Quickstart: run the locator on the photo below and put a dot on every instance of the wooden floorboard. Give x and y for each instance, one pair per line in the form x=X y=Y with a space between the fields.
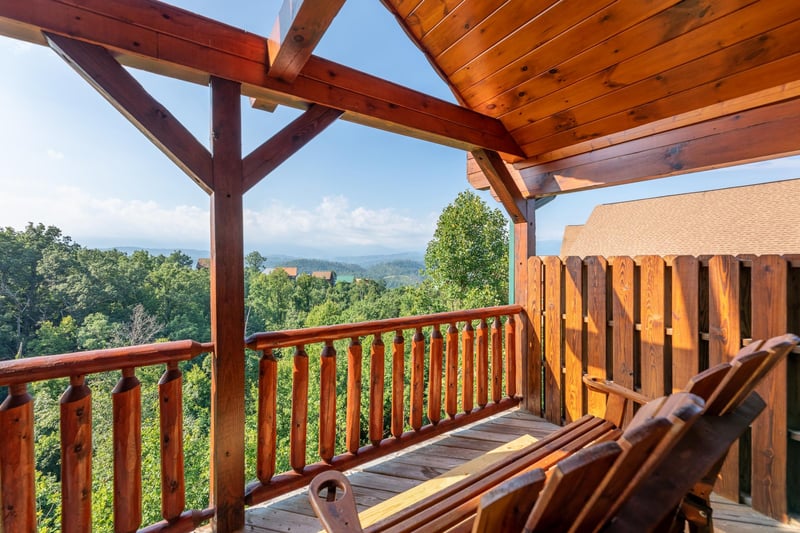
x=380 y=480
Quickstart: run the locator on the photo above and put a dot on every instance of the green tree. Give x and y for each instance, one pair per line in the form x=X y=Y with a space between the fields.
x=467 y=259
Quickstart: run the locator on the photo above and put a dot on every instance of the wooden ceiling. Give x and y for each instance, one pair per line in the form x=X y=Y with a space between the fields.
x=556 y=95
x=601 y=92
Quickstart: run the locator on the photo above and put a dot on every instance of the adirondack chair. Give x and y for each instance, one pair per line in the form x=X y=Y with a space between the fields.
x=586 y=452
x=725 y=389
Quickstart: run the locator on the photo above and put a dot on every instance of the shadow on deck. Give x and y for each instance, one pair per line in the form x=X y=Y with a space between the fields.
x=382 y=479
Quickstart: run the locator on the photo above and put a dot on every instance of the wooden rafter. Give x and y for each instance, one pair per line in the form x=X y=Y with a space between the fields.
x=272 y=153
x=298 y=29
x=762 y=133
x=122 y=90
x=501 y=181
x=167 y=40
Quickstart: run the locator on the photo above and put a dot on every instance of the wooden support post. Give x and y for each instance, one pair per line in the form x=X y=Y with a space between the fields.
x=527 y=377
x=227 y=309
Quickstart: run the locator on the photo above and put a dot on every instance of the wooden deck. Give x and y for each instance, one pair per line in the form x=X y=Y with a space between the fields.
x=380 y=480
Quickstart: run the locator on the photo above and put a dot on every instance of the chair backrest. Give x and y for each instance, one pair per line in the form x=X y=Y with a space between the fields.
x=644 y=446
x=571 y=483
x=725 y=386
x=507 y=506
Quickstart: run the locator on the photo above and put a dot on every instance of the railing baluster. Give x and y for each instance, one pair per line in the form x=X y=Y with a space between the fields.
x=497 y=360
x=17 y=466
x=511 y=357
x=398 y=382
x=451 y=372
x=127 y=407
x=483 y=363
x=297 y=440
x=327 y=403
x=417 y=378
x=76 y=456
x=353 y=422
x=173 y=490
x=267 y=411
x=376 y=374
x=468 y=368
x=435 y=376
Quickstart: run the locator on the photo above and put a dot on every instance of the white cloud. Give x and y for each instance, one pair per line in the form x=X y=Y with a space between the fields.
x=334 y=223
x=90 y=220
x=55 y=154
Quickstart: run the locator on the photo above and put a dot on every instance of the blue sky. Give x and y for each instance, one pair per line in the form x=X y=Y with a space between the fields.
x=72 y=161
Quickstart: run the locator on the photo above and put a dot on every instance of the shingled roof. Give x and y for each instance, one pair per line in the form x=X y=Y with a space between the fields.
x=754 y=219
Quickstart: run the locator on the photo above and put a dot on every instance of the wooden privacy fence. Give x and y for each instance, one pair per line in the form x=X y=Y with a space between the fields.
x=480 y=373
x=651 y=323
x=17 y=465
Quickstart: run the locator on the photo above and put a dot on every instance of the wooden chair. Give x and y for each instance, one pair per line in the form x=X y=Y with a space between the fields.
x=725 y=388
x=585 y=452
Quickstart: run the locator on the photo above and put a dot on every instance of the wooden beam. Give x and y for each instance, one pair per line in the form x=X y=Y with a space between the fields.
x=772 y=95
x=167 y=40
x=122 y=90
x=754 y=135
x=297 y=31
x=528 y=382
x=502 y=183
x=271 y=154
x=227 y=309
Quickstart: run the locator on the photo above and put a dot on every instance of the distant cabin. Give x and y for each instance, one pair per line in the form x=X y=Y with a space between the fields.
x=754 y=219
x=327 y=275
x=345 y=278
x=204 y=263
x=290 y=271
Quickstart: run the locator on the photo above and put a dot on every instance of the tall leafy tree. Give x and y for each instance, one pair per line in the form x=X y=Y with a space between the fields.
x=467 y=259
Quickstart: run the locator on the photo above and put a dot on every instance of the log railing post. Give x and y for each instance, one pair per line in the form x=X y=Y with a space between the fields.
x=17 y=466
x=127 y=407
x=327 y=403
x=451 y=372
x=417 y=379
x=511 y=357
x=376 y=375
x=468 y=368
x=173 y=490
x=435 y=376
x=353 y=415
x=297 y=438
x=497 y=360
x=76 y=457
x=398 y=383
x=267 y=410
x=483 y=363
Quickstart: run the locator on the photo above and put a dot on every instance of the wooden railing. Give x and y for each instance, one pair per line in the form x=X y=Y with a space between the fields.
x=17 y=466
x=651 y=323
x=483 y=374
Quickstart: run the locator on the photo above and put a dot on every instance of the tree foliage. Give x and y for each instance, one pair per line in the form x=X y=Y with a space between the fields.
x=467 y=259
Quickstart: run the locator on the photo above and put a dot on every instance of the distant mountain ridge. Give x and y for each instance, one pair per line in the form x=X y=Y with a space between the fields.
x=397 y=269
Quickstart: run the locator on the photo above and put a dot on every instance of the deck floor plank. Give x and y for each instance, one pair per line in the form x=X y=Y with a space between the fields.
x=380 y=480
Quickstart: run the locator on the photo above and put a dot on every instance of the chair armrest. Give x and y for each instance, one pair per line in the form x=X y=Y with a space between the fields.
x=609 y=387
x=332 y=499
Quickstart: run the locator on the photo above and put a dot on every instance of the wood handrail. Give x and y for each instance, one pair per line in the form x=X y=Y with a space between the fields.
x=426 y=365
x=46 y=367
x=293 y=337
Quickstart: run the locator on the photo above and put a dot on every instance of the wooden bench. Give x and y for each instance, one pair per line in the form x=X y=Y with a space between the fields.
x=631 y=481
